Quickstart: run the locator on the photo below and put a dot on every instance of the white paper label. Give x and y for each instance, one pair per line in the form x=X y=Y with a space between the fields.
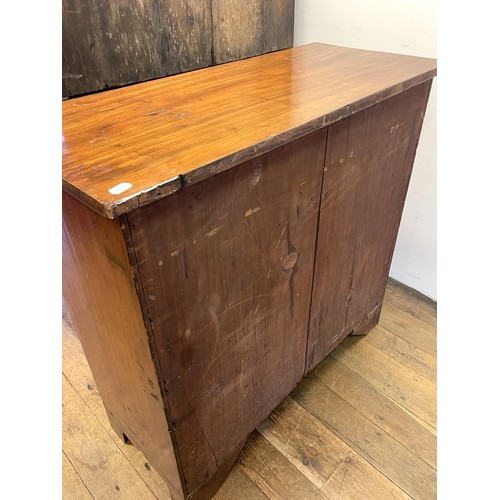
x=120 y=188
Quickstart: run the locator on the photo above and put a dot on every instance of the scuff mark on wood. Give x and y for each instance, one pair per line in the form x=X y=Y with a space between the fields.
x=213 y=232
x=395 y=127
x=281 y=235
x=251 y=211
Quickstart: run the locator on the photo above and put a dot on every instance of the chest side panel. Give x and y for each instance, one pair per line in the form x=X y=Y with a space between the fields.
x=99 y=291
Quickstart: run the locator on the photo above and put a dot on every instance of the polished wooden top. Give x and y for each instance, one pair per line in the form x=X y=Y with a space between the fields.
x=127 y=147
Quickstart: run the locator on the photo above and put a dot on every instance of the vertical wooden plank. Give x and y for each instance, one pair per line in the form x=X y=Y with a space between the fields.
x=333 y=253
x=394 y=130
x=239 y=29
x=245 y=29
x=367 y=170
x=186 y=35
x=99 y=292
x=106 y=44
x=226 y=266
x=279 y=19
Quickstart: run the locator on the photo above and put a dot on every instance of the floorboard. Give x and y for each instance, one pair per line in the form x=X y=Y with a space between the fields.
x=362 y=425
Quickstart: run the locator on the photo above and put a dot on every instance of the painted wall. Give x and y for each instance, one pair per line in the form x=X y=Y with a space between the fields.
x=403 y=27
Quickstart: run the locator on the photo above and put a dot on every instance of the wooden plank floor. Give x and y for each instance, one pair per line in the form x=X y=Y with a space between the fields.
x=362 y=425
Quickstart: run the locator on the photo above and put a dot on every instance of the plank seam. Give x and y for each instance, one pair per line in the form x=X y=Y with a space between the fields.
x=306 y=357
x=354 y=446
x=375 y=422
x=425 y=326
x=414 y=415
x=420 y=352
x=244 y=467
x=77 y=473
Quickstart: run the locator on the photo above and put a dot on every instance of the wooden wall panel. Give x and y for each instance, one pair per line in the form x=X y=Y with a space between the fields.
x=186 y=35
x=105 y=44
x=367 y=171
x=110 y=44
x=226 y=265
x=249 y=40
x=264 y=26
x=278 y=17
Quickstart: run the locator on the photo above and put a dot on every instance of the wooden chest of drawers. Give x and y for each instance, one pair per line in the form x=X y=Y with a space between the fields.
x=224 y=230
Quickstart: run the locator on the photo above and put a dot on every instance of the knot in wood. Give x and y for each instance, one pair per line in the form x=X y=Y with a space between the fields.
x=290 y=260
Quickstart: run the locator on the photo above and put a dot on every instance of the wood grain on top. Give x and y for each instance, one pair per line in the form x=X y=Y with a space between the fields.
x=153 y=138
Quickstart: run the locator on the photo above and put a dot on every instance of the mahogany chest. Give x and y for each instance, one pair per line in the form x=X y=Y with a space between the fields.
x=224 y=230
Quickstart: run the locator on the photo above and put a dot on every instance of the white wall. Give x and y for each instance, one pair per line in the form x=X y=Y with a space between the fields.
x=403 y=27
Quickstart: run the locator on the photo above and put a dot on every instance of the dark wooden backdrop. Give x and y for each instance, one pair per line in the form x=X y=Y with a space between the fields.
x=109 y=43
